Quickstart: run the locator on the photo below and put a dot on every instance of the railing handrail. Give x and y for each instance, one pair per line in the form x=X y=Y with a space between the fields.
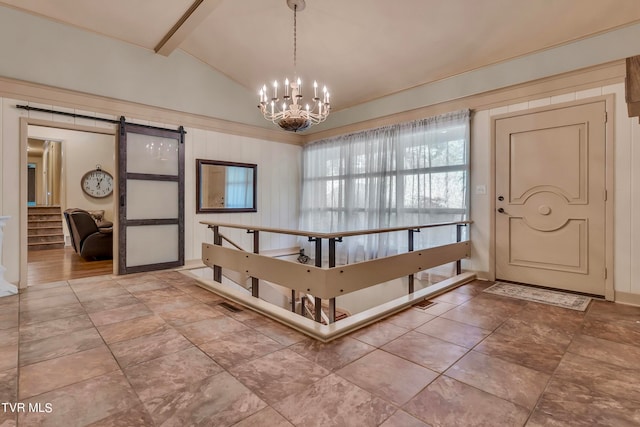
x=334 y=235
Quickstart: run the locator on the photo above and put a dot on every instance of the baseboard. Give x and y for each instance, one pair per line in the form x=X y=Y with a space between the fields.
x=627 y=298
x=326 y=333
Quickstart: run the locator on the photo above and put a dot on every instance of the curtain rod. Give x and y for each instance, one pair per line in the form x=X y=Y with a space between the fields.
x=102 y=119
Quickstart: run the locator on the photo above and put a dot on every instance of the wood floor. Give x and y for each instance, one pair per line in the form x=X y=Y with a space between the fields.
x=53 y=265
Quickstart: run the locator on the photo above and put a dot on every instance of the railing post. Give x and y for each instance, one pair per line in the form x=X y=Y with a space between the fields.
x=332 y=310
x=318 y=257
x=318 y=306
x=332 y=263
x=459 y=239
x=255 y=283
x=410 y=248
x=293 y=300
x=217 y=240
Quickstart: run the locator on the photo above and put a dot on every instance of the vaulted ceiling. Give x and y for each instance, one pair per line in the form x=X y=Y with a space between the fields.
x=361 y=49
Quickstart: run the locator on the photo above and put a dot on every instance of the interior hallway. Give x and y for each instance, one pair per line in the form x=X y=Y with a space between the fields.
x=155 y=349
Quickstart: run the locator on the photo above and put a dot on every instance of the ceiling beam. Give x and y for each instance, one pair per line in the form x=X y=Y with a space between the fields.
x=193 y=17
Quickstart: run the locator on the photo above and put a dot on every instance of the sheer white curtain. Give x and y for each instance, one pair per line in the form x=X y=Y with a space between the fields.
x=408 y=174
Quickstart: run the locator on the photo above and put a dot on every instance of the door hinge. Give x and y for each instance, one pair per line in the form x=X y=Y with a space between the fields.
x=606 y=195
x=606 y=117
x=605 y=273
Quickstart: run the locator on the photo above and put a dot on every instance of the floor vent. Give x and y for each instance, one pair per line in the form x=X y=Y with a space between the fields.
x=424 y=304
x=230 y=307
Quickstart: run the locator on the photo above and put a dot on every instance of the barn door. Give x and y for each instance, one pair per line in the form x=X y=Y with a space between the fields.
x=550 y=191
x=151 y=198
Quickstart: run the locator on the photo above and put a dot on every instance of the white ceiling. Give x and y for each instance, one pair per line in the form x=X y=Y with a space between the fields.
x=361 y=49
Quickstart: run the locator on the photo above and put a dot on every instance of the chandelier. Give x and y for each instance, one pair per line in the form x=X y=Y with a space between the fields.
x=290 y=113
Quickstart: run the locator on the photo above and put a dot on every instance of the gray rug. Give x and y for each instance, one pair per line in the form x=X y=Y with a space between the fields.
x=544 y=296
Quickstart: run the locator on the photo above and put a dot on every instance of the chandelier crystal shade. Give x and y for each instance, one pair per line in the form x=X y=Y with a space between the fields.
x=294 y=112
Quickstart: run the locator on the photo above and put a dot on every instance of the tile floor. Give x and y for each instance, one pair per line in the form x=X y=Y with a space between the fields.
x=154 y=349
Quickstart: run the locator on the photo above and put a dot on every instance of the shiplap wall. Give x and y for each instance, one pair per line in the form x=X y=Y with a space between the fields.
x=626 y=184
x=278 y=180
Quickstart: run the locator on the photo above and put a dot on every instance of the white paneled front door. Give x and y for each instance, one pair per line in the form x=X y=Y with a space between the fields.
x=550 y=190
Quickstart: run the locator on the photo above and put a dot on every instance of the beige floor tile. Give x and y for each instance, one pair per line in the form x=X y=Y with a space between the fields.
x=51 y=313
x=334 y=401
x=332 y=355
x=572 y=404
x=9 y=316
x=57 y=346
x=52 y=328
x=9 y=385
x=379 y=333
x=278 y=375
x=479 y=315
x=36 y=293
x=447 y=402
x=219 y=400
x=147 y=347
x=621 y=331
x=426 y=351
x=136 y=416
x=533 y=351
x=600 y=377
x=623 y=355
x=38 y=304
x=111 y=290
x=158 y=377
x=438 y=308
x=119 y=314
x=51 y=374
x=387 y=376
x=107 y=303
x=9 y=336
x=132 y=328
x=192 y=313
x=509 y=381
x=8 y=356
x=264 y=417
x=233 y=349
x=211 y=329
x=280 y=333
x=82 y=403
x=605 y=310
x=410 y=318
x=158 y=296
x=402 y=419
x=454 y=332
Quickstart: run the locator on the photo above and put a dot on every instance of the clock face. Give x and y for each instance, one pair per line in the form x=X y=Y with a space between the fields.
x=97 y=183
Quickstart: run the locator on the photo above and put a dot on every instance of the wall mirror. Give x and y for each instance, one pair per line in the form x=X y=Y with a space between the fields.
x=225 y=186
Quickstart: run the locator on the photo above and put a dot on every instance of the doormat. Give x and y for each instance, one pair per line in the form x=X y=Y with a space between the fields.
x=544 y=296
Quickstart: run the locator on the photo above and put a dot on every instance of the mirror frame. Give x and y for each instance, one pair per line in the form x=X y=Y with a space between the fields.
x=203 y=162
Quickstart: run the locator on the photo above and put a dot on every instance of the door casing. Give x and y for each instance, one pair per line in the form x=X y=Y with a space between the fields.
x=25 y=122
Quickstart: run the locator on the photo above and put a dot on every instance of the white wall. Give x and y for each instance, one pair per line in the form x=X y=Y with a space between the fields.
x=626 y=184
x=278 y=181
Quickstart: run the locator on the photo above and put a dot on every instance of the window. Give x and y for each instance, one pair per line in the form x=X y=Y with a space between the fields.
x=409 y=174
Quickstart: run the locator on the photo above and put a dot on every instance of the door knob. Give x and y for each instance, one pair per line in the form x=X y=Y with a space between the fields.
x=500 y=210
x=500 y=198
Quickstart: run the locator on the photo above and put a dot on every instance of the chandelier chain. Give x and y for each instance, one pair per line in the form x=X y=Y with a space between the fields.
x=295 y=38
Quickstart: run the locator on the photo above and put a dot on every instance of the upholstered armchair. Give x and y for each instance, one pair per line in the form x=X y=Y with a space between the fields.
x=89 y=241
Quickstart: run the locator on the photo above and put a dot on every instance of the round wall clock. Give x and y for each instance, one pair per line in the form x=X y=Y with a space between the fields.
x=97 y=183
